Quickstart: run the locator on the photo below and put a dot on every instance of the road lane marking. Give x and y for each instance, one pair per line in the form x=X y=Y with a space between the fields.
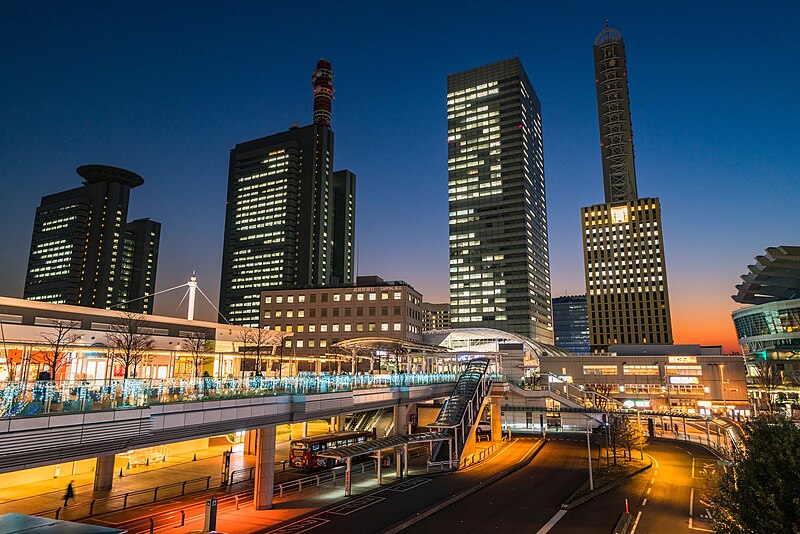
x=654 y=461
x=644 y=502
x=636 y=523
x=692 y=467
x=648 y=490
x=691 y=507
x=553 y=520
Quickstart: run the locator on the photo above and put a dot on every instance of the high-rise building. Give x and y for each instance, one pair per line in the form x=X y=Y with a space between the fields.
x=79 y=249
x=499 y=258
x=571 y=323
x=626 y=276
x=290 y=220
x=435 y=316
x=137 y=273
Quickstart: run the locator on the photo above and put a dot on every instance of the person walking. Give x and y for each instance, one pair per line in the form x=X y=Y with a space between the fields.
x=69 y=494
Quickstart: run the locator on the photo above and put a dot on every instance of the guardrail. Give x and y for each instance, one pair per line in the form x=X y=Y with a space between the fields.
x=129 y=499
x=25 y=399
x=479 y=456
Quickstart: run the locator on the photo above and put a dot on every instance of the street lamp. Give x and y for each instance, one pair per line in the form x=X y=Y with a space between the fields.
x=722 y=377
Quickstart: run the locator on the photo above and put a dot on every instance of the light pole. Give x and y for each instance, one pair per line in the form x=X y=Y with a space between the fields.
x=589 y=450
x=722 y=377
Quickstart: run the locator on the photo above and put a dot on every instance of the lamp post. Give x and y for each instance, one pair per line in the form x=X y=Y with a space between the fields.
x=589 y=450
x=722 y=377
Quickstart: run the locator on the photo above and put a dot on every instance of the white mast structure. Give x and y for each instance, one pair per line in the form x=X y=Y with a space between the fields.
x=192 y=288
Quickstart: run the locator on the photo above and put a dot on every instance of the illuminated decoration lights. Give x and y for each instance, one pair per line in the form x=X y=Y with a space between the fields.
x=20 y=399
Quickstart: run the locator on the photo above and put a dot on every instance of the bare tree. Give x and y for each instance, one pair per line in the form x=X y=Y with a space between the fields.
x=630 y=435
x=198 y=348
x=769 y=378
x=129 y=343
x=56 y=343
x=14 y=361
x=601 y=399
x=255 y=344
x=277 y=340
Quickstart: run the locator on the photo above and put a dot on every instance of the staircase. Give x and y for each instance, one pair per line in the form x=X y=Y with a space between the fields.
x=461 y=410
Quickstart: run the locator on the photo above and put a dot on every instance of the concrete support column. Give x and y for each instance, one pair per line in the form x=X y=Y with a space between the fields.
x=304 y=432
x=318 y=366
x=496 y=419
x=250 y=441
x=401 y=419
x=104 y=473
x=265 y=468
x=398 y=460
x=341 y=423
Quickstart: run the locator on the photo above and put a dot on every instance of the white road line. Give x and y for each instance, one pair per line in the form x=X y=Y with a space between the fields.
x=692 y=467
x=635 y=523
x=648 y=490
x=654 y=461
x=553 y=520
x=691 y=507
x=644 y=502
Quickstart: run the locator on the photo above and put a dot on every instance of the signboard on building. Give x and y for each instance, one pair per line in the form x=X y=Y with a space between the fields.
x=682 y=359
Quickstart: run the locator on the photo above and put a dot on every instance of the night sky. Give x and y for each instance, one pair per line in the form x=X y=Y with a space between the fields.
x=167 y=89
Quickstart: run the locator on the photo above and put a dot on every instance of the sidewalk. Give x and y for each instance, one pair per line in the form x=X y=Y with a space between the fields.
x=48 y=494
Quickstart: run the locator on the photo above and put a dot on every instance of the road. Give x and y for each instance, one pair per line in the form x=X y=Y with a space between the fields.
x=520 y=502
x=660 y=499
x=376 y=510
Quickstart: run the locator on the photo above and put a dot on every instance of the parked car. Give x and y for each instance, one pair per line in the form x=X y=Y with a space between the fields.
x=482 y=427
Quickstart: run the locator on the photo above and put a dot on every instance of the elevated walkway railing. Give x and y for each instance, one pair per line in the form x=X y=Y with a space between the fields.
x=25 y=399
x=461 y=410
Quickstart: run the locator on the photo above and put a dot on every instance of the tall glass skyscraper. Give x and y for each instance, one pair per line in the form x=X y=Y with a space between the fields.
x=499 y=258
x=571 y=323
x=623 y=245
x=290 y=220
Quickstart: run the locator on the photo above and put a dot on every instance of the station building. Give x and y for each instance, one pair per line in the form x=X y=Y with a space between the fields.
x=25 y=324
x=684 y=378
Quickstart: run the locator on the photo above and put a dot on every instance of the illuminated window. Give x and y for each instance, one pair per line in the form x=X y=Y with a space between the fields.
x=619 y=214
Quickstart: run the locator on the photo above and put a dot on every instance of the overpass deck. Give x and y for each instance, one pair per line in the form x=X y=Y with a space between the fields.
x=28 y=399
x=130 y=417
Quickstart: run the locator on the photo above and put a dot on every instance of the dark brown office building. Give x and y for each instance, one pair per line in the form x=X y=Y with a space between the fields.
x=80 y=246
x=290 y=220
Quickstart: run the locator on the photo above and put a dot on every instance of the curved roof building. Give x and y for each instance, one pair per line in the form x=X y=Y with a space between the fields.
x=771 y=327
x=774 y=277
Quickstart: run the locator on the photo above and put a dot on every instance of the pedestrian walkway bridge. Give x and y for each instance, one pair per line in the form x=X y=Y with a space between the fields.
x=44 y=423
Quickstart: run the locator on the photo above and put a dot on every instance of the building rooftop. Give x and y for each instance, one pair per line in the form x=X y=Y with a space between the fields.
x=774 y=277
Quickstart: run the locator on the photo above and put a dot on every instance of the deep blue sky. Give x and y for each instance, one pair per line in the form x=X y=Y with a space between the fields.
x=166 y=89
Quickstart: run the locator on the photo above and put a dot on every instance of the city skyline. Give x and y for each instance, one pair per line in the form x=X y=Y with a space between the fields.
x=702 y=174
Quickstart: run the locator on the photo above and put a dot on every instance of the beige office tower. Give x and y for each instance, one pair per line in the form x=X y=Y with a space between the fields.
x=623 y=245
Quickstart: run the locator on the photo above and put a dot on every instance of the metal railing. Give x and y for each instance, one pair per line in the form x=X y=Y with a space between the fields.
x=24 y=399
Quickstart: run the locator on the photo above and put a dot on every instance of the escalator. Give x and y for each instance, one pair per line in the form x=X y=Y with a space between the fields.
x=461 y=411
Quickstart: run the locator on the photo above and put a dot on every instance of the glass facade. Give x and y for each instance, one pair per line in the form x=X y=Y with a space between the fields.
x=769 y=330
x=571 y=323
x=499 y=258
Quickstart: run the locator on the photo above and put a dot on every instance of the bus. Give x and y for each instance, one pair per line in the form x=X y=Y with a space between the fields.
x=303 y=452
